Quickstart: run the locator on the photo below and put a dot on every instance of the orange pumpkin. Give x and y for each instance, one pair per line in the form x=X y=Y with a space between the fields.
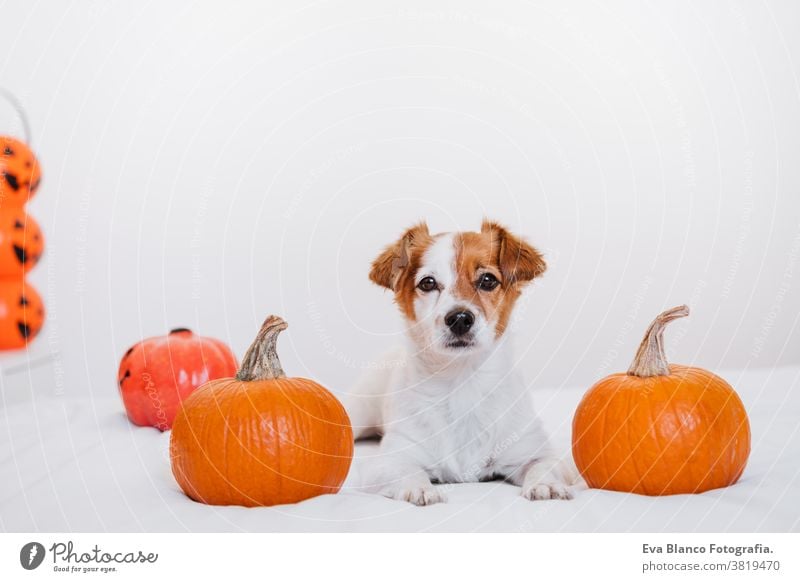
x=21 y=313
x=261 y=438
x=21 y=242
x=20 y=173
x=661 y=429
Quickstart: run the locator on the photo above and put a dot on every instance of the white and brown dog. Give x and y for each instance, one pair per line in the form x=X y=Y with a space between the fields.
x=449 y=405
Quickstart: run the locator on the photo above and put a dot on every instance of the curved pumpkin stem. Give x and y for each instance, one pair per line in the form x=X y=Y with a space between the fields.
x=261 y=360
x=650 y=358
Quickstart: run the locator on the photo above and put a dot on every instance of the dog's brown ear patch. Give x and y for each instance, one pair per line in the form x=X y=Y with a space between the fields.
x=518 y=261
x=396 y=258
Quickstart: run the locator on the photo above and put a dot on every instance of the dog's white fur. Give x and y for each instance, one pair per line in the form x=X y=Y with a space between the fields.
x=452 y=416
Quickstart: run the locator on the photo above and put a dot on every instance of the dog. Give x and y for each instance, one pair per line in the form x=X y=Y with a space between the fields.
x=449 y=405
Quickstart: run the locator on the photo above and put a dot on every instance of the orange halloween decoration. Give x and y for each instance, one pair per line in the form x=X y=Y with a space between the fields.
x=21 y=242
x=661 y=429
x=21 y=313
x=156 y=374
x=261 y=438
x=20 y=174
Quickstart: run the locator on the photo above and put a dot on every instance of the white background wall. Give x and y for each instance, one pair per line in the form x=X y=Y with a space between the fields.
x=208 y=164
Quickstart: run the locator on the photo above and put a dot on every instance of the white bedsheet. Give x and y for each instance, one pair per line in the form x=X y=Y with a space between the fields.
x=78 y=465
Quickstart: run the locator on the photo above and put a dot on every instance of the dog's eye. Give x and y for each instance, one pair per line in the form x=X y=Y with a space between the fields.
x=427 y=284
x=487 y=282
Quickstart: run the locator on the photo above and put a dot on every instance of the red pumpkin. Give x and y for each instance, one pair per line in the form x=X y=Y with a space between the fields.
x=261 y=438
x=21 y=242
x=21 y=313
x=156 y=374
x=20 y=174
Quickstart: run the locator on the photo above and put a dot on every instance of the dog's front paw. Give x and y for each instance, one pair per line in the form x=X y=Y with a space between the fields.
x=552 y=490
x=421 y=495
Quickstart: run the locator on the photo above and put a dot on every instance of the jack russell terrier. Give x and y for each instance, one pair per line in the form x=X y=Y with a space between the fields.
x=450 y=405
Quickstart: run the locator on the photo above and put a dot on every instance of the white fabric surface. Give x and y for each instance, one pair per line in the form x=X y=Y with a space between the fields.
x=78 y=465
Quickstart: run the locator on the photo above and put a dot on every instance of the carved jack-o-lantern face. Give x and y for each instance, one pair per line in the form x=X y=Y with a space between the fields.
x=19 y=172
x=21 y=314
x=21 y=242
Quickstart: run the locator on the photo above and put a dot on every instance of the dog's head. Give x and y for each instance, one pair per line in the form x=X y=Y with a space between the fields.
x=457 y=290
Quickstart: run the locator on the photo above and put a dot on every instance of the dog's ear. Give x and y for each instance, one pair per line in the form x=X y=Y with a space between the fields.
x=395 y=259
x=518 y=261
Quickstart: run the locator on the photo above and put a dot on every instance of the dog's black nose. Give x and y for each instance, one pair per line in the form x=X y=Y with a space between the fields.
x=459 y=322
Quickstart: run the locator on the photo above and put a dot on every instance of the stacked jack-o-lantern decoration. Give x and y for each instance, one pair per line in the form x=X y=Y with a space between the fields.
x=21 y=245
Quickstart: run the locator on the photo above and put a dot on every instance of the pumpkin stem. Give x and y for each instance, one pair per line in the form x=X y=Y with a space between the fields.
x=650 y=358
x=261 y=360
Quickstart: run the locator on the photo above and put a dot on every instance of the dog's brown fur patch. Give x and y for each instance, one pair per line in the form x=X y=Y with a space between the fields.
x=396 y=267
x=510 y=259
